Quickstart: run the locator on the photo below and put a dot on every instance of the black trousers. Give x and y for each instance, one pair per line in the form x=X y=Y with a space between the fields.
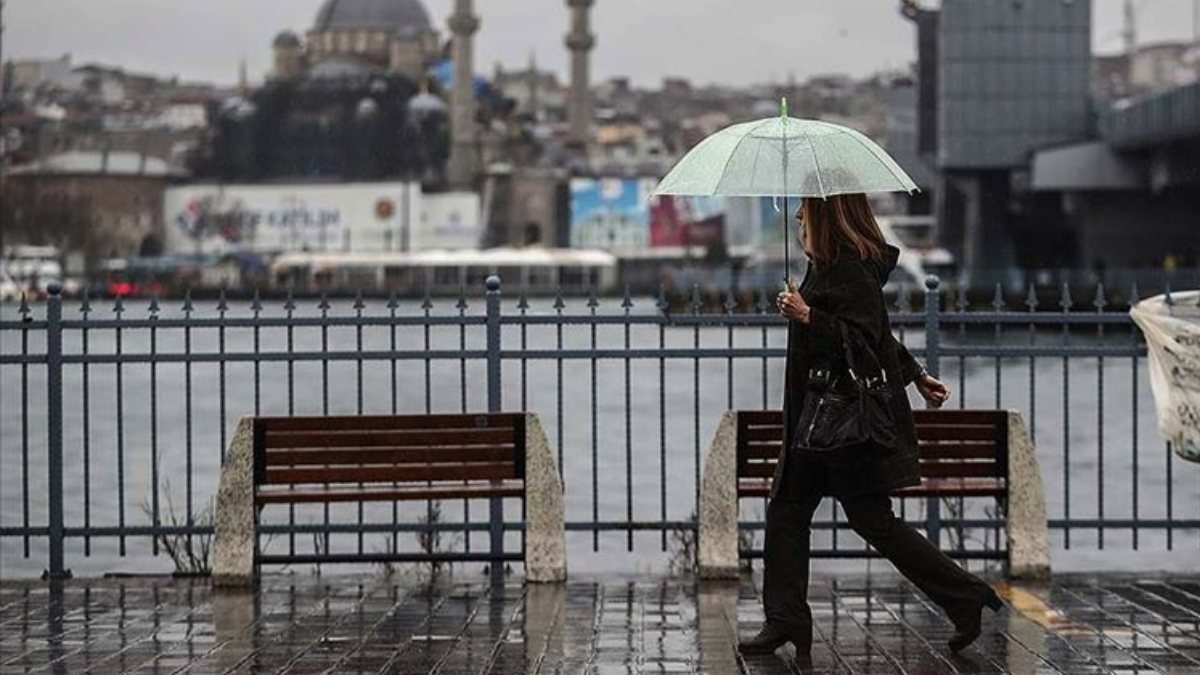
x=785 y=574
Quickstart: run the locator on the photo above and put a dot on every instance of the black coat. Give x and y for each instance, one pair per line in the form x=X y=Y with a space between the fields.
x=850 y=290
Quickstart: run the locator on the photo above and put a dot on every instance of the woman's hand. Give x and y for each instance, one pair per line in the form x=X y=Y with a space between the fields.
x=933 y=390
x=792 y=305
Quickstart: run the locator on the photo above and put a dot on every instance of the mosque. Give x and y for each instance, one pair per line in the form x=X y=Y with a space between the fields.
x=372 y=91
x=360 y=37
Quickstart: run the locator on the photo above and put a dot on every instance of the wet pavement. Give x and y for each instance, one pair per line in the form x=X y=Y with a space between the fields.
x=364 y=624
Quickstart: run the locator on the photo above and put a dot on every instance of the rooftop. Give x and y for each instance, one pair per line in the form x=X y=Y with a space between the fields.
x=107 y=163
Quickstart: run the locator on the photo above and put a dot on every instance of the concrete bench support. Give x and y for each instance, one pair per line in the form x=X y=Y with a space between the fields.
x=1028 y=547
x=718 y=536
x=235 y=539
x=545 y=519
x=1028 y=540
x=234 y=522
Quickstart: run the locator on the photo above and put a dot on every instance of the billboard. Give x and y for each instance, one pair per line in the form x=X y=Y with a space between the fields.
x=451 y=220
x=211 y=218
x=610 y=213
x=620 y=214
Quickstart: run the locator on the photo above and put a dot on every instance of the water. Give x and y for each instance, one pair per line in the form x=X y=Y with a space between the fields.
x=631 y=448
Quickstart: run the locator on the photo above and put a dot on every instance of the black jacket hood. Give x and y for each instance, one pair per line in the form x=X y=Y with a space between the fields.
x=882 y=267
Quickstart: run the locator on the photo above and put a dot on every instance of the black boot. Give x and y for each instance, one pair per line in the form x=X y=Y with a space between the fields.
x=771 y=638
x=968 y=620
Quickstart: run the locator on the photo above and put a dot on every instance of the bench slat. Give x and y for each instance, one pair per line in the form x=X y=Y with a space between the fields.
x=760 y=417
x=943 y=469
x=998 y=418
x=762 y=449
x=956 y=487
x=757 y=469
x=952 y=450
x=387 y=438
x=937 y=487
x=955 y=432
x=404 y=493
x=366 y=422
x=761 y=433
x=390 y=473
x=409 y=455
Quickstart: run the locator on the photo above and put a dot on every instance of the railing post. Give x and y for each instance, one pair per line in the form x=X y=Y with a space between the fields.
x=933 y=332
x=933 y=343
x=495 y=403
x=54 y=427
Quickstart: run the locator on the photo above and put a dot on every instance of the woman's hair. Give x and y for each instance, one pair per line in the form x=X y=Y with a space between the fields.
x=841 y=222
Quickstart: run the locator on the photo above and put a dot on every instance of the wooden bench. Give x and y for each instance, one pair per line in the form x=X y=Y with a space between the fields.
x=376 y=458
x=964 y=453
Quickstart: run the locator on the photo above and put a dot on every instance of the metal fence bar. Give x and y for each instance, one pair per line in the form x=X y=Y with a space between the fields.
x=54 y=441
x=495 y=403
x=933 y=364
x=1093 y=340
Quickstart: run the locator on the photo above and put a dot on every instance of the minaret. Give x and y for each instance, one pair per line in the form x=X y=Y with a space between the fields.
x=580 y=42
x=534 y=103
x=463 y=166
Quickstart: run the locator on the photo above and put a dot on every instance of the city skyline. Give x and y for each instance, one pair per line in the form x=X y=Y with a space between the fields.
x=206 y=41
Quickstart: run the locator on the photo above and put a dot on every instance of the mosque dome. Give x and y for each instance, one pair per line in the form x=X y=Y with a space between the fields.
x=405 y=18
x=287 y=39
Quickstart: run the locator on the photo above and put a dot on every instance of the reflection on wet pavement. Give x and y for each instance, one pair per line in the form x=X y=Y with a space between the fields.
x=353 y=624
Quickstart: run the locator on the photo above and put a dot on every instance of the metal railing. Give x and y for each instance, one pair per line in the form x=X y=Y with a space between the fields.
x=101 y=410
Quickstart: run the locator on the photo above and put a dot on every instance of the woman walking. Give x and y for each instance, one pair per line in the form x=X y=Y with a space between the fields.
x=841 y=294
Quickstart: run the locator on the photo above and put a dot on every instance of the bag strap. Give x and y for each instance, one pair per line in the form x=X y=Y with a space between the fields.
x=851 y=361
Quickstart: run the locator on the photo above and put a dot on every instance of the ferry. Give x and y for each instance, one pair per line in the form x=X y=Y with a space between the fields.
x=443 y=272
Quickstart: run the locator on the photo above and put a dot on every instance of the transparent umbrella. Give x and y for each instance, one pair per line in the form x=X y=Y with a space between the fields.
x=785 y=157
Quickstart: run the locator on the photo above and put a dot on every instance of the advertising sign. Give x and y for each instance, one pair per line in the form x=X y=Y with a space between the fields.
x=610 y=213
x=207 y=218
x=450 y=220
x=620 y=214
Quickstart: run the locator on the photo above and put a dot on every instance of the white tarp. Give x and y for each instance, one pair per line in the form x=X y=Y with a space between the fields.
x=1173 y=342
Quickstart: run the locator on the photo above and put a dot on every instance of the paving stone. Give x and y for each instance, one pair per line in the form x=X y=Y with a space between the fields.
x=352 y=624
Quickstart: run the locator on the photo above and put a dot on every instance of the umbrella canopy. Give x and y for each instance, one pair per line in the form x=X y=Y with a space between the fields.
x=785 y=157
x=782 y=157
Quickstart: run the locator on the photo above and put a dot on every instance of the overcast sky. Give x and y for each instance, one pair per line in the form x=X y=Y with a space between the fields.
x=722 y=41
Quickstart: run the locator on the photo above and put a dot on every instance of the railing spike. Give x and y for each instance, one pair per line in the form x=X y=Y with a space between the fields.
x=593 y=301
x=256 y=301
x=1065 y=301
x=1101 y=300
x=998 y=298
x=393 y=302
x=85 y=305
x=1134 y=296
x=222 y=303
x=153 y=308
x=627 y=300
x=187 y=300
x=289 y=302
x=23 y=308
x=761 y=304
x=1031 y=298
x=558 y=299
x=427 y=301
x=960 y=298
x=697 y=305
x=1168 y=298
x=661 y=301
x=461 y=305
x=730 y=302
x=323 y=303
x=358 y=302
x=522 y=300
